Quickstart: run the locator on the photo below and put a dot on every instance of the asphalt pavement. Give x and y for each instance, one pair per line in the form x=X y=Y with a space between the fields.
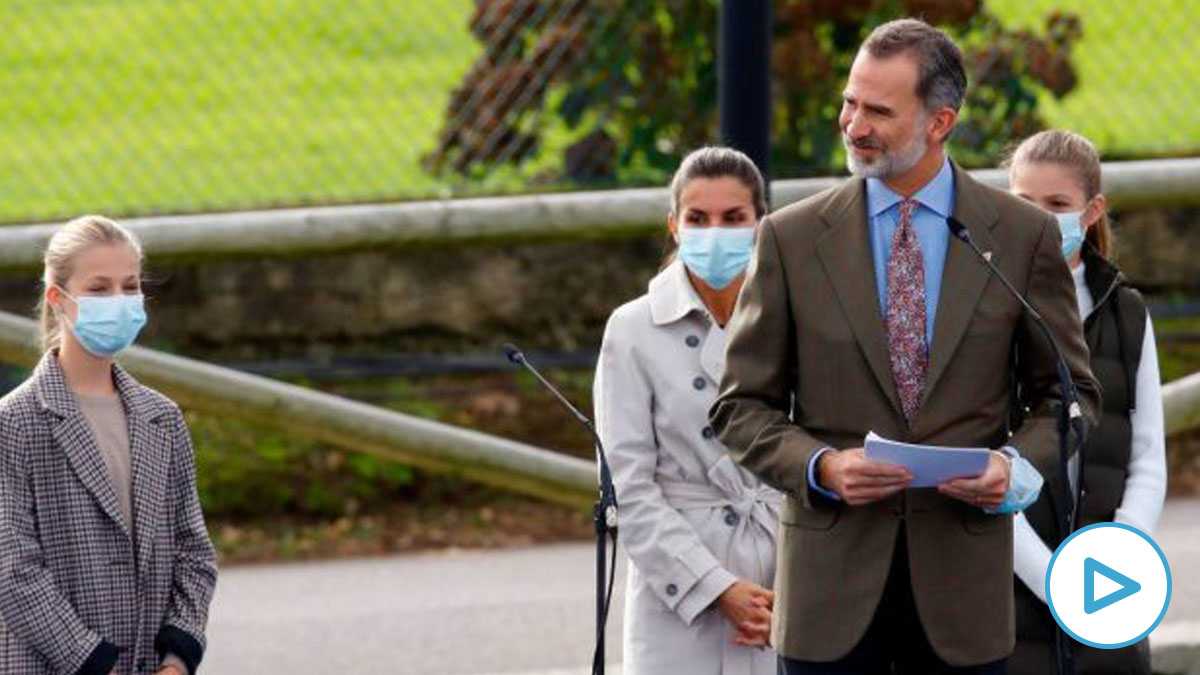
x=513 y=612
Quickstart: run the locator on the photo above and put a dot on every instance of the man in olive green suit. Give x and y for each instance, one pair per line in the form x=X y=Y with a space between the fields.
x=861 y=313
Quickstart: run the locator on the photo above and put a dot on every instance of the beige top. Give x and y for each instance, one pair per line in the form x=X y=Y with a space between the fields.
x=106 y=417
x=110 y=426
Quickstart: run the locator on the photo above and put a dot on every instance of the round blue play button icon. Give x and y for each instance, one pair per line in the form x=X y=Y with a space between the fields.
x=1108 y=585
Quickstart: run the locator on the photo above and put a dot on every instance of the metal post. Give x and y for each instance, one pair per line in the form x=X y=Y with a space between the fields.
x=744 y=79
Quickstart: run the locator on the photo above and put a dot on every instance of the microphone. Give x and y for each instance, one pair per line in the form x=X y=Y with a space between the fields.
x=516 y=356
x=962 y=233
x=512 y=353
x=1071 y=396
x=604 y=515
x=1070 y=419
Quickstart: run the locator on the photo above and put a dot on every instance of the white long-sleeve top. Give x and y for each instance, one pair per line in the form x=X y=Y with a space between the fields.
x=1146 y=483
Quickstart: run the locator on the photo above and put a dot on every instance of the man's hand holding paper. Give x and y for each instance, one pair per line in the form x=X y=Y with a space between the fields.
x=985 y=491
x=859 y=480
x=976 y=476
x=989 y=479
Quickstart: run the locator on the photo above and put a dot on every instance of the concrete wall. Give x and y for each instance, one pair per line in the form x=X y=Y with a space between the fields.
x=1160 y=250
x=544 y=295
x=549 y=295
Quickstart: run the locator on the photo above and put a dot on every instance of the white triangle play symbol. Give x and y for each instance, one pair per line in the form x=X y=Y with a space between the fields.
x=1092 y=602
x=1105 y=586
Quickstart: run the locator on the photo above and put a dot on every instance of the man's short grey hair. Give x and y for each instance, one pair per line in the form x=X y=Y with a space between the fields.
x=942 y=79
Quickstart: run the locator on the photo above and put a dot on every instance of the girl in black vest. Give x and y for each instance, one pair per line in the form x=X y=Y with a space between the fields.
x=1125 y=471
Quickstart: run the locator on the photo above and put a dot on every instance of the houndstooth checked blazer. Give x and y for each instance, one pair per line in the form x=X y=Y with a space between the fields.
x=79 y=592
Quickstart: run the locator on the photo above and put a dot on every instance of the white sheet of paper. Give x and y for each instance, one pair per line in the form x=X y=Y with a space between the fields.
x=929 y=464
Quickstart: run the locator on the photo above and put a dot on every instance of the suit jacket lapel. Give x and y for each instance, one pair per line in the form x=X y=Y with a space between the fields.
x=845 y=253
x=73 y=434
x=964 y=276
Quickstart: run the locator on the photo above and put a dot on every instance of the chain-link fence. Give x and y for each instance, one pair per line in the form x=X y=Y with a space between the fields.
x=1136 y=67
x=199 y=105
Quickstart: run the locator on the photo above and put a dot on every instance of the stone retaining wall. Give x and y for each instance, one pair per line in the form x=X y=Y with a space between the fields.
x=543 y=295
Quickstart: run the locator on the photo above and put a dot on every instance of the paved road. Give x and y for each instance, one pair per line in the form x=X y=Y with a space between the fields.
x=492 y=613
x=436 y=614
x=1179 y=535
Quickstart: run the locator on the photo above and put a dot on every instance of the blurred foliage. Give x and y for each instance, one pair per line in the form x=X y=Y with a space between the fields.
x=1178 y=347
x=476 y=518
x=634 y=106
x=247 y=472
x=1183 y=464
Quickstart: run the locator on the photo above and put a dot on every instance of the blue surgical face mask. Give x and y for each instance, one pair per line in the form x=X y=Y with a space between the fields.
x=1072 y=232
x=716 y=254
x=107 y=324
x=1024 y=486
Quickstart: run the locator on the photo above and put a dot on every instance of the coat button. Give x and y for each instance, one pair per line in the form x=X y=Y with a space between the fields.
x=692 y=341
x=699 y=383
x=672 y=590
x=731 y=517
x=708 y=432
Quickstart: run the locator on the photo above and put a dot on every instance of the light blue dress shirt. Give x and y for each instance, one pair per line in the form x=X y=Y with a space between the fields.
x=935 y=204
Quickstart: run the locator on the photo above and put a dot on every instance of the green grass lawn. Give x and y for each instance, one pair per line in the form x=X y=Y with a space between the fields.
x=142 y=106
x=184 y=105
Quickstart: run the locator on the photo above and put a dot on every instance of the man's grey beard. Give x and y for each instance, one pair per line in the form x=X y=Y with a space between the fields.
x=890 y=163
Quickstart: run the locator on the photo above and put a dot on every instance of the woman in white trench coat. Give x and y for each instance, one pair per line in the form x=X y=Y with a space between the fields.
x=698 y=530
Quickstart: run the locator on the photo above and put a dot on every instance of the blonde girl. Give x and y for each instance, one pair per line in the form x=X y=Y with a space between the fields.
x=1125 y=465
x=106 y=565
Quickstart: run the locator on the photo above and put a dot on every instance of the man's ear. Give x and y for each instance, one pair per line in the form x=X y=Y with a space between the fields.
x=942 y=123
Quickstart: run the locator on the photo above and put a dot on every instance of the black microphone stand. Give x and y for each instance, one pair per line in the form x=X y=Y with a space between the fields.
x=1071 y=425
x=604 y=513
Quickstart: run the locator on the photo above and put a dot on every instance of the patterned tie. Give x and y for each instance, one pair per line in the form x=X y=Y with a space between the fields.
x=906 y=312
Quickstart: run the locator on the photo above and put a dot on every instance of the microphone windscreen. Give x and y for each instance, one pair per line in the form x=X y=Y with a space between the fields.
x=957 y=228
x=512 y=353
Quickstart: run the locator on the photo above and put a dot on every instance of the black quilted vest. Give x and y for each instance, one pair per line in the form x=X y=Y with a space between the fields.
x=1114 y=332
